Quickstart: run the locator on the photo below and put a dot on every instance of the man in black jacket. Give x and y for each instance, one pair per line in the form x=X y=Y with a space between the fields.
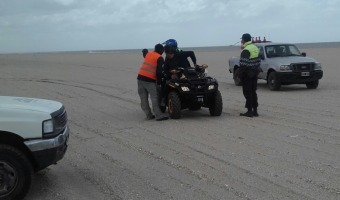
x=175 y=59
x=249 y=69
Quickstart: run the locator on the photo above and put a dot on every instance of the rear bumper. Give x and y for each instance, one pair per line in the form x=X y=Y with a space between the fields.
x=296 y=77
x=48 y=151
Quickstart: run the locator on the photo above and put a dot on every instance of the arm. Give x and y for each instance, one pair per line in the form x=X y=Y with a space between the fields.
x=159 y=70
x=244 y=59
x=190 y=54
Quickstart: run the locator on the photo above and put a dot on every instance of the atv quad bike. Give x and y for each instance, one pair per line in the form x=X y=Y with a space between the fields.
x=192 y=89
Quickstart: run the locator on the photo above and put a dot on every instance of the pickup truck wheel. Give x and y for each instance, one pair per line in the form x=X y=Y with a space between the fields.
x=237 y=80
x=272 y=81
x=15 y=173
x=313 y=84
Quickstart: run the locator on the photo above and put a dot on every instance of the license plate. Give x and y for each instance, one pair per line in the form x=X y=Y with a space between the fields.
x=304 y=73
x=200 y=99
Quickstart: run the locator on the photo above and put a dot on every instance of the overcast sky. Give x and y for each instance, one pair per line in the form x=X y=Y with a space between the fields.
x=68 y=25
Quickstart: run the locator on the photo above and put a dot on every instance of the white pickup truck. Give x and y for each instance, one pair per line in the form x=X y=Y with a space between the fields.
x=33 y=135
x=282 y=64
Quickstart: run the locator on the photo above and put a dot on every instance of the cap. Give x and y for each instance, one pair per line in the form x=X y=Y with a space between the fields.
x=246 y=37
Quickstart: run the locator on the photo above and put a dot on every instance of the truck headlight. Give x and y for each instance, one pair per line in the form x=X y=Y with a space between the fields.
x=285 y=68
x=48 y=126
x=185 y=89
x=317 y=66
x=211 y=87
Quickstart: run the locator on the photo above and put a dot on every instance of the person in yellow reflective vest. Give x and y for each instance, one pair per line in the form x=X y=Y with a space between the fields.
x=149 y=75
x=249 y=69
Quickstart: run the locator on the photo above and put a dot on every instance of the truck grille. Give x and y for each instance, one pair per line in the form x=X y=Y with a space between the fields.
x=60 y=122
x=303 y=67
x=198 y=85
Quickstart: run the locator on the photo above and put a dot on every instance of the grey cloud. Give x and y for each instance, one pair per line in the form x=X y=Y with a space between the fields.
x=105 y=24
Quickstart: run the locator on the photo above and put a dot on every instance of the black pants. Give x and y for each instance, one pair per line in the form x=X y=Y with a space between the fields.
x=163 y=91
x=249 y=86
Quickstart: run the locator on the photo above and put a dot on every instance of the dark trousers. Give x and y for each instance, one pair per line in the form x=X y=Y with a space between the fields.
x=249 y=86
x=164 y=90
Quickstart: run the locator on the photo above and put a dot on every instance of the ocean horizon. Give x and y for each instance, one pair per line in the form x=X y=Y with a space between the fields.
x=224 y=48
x=196 y=49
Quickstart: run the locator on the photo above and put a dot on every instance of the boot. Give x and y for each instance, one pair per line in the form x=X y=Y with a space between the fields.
x=255 y=113
x=249 y=113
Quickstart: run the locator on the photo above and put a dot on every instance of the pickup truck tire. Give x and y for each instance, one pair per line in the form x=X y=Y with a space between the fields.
x=313 y=84
x=15 y=173
x=174 y=105
x=216 y=106
x=273 y=83
x=236 y=78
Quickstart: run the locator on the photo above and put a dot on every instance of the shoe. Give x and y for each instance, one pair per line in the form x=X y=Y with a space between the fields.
x=247 y=114
x=150 y=117
x=162 y=119
x=256 y=114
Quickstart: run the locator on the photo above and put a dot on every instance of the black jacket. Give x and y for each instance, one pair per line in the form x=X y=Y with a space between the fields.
x=180 y=59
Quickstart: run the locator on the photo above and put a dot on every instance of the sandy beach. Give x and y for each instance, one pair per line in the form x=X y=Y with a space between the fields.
x=290 y=152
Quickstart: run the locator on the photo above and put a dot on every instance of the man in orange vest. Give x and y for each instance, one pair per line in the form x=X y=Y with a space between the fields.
x=149 y=75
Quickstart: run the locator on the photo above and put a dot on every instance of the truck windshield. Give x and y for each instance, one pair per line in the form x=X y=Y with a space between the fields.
x=283 y=50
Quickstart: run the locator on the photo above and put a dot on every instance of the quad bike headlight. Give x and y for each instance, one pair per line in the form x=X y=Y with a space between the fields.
x=211 y=87
x=185 y=89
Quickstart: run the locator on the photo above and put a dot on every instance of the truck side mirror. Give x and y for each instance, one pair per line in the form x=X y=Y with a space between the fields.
x=262 y=56
x=304 y=54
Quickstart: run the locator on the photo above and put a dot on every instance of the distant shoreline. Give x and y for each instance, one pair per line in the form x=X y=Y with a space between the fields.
x=198 y=49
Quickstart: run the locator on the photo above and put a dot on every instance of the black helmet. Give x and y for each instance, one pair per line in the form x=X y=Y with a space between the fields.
x=169 y=49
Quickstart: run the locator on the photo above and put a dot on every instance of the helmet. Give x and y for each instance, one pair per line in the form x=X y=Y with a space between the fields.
x=169 y=49
x=171 y=42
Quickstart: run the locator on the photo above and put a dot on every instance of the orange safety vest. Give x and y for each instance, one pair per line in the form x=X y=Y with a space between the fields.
x=149 y=66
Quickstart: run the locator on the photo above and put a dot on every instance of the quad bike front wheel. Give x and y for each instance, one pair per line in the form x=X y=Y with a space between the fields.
x=216 y=105
x=174 y=105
